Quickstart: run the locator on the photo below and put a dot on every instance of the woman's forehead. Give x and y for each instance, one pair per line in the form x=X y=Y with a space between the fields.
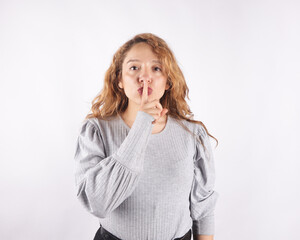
x=141 y=52
x=140 y=48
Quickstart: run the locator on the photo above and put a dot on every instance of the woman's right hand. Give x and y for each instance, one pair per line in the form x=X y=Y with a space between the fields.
x=154 y=107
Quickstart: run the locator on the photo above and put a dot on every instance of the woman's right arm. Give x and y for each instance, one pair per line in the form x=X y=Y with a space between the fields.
x=104 y=182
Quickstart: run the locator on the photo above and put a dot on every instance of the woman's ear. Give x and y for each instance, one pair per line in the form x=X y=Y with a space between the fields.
x=120 y=84
x=168 y=85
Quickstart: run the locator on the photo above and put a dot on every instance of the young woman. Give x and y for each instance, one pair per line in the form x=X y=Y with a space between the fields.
x=144 y=167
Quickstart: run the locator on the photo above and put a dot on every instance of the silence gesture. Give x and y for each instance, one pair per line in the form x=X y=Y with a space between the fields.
x=154 y=108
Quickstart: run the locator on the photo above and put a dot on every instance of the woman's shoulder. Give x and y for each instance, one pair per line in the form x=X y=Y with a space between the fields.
x=99 y=123
x=192 y=126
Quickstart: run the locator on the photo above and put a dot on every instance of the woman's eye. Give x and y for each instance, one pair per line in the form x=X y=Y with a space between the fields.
x=133 y=67
x=157 y=68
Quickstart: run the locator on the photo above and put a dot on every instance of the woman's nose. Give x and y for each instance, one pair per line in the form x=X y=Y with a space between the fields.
x=145 y=76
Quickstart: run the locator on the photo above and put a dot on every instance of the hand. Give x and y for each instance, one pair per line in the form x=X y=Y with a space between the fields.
x=154 y=107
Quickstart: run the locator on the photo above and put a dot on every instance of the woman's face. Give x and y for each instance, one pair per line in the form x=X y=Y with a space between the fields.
x=139 y=65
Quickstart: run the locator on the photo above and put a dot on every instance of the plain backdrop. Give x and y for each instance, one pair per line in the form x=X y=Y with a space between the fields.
x=241 y=64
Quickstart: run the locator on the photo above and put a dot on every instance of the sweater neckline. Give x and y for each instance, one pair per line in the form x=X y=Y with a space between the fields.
x=162 y=132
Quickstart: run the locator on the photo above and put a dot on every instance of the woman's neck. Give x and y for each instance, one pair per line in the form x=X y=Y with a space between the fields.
x=130 y=113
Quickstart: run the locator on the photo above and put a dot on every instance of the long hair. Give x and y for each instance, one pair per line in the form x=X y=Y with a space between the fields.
x=112 y=101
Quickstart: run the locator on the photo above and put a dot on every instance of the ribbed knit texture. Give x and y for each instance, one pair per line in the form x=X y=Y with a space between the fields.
x=144 y=186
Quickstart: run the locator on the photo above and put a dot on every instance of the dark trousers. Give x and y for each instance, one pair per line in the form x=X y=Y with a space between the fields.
x=103 y=234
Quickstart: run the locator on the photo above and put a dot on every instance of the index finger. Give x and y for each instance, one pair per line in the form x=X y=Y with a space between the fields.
x=145 y=92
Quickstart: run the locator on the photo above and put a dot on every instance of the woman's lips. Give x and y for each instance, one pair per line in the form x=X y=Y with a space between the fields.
x=140 y=90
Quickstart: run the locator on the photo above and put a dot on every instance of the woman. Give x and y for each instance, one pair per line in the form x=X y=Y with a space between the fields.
x=144 y=168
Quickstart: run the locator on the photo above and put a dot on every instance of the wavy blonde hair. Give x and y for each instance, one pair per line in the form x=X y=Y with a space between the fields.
x=112 y=101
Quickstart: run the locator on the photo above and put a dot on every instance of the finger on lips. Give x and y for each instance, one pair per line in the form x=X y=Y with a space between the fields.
x=145 y=91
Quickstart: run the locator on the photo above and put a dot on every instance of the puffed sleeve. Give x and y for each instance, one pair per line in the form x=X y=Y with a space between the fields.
x=203 y=198
x=104 y=182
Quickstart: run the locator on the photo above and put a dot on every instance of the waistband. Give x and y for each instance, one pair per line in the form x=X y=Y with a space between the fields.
x=110 y=236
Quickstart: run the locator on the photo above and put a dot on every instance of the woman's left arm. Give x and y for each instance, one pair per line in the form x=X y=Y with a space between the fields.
x=204 y=237
x=203 y=198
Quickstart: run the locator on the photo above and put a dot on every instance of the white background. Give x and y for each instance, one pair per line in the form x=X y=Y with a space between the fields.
x=241 y=63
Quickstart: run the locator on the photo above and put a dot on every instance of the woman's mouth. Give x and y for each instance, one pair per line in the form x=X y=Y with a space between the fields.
x=140 y=90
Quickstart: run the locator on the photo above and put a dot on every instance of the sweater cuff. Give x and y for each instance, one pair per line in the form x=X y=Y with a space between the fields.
x=204 y=226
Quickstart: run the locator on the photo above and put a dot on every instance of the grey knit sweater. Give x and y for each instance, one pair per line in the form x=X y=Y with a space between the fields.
x=144 y=186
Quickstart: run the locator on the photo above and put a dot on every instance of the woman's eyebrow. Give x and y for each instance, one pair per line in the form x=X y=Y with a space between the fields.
x=137 y=60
